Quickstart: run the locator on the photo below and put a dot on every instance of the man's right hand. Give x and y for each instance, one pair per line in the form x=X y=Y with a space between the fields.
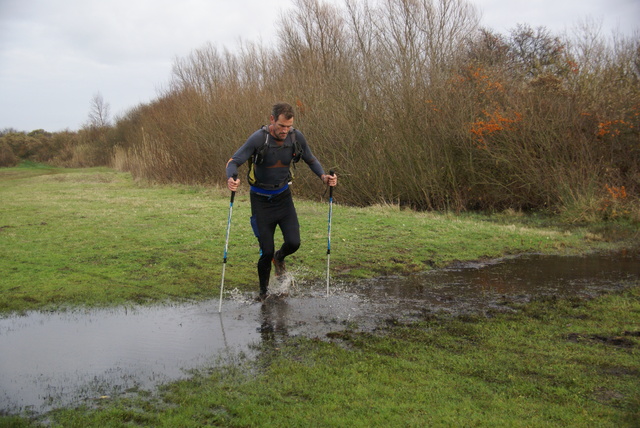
x=233 y=184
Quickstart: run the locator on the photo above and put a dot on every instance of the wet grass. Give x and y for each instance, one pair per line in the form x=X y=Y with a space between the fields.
x=93 y=237
x=552 y=363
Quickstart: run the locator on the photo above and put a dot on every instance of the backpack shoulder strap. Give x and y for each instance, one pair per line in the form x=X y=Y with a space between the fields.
x=297 y=147
x=258 y=154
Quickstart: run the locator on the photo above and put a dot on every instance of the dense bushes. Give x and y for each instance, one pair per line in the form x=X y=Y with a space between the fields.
x=411 y=103
x=7 y=157
x=84 y=148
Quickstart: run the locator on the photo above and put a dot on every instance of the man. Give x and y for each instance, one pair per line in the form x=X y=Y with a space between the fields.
x=271 y=151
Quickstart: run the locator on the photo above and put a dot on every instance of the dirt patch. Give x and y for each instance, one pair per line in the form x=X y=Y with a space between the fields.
x=621 y=371
x=607 y=396
x=621 y=341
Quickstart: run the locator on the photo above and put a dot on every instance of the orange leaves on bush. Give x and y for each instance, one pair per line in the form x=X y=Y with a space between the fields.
x=432 y=105
x=617 y=193
x=612 y=128
x=479 y=77
x=489 y=85
x=301 y=107
x=614 y=205
x=494 y=123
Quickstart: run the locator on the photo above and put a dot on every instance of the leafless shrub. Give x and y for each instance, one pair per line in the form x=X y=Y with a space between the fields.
x=412 y=104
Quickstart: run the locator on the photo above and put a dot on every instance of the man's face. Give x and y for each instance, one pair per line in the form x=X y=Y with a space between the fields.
x=281 y=127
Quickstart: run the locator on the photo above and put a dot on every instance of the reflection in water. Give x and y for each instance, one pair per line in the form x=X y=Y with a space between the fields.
x=274 y=321
x=50 y=360
x=58 y=359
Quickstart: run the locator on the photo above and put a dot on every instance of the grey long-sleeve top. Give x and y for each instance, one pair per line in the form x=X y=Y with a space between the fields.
x=273 y=172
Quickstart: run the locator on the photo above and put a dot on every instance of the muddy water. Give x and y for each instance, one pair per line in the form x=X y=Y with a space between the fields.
x=50 y=360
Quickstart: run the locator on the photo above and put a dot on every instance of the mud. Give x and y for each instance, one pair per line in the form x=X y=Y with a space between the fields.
x=50 y=360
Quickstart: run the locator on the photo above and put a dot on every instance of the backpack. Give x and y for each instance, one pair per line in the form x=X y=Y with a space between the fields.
x=258 y=157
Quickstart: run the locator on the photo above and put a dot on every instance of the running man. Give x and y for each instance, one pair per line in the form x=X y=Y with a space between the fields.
x=271 y=151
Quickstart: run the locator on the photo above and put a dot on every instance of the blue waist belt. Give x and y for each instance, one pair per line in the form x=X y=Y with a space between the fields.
x=264 y=192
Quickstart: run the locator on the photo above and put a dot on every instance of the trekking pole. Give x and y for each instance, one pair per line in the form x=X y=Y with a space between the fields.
x=226 y=245
x=331 y=173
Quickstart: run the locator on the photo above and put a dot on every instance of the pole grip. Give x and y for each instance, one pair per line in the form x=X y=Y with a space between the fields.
x=331 y=173
x=233 y=194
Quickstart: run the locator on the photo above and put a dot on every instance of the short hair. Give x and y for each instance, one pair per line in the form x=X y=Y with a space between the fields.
x=282 y=109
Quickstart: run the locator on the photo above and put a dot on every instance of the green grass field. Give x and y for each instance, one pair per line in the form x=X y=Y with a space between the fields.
x=93 y=237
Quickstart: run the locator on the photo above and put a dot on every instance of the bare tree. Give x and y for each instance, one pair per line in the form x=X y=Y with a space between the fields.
x=99 y=112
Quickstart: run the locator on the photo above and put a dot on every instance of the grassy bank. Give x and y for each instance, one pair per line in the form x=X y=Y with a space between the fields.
x=94 y=237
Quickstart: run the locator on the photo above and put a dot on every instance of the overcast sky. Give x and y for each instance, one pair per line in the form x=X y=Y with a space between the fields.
x=55 y=55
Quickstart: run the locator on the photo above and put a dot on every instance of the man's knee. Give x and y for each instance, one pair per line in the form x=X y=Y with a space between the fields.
x=293 y=245
x=267 y=254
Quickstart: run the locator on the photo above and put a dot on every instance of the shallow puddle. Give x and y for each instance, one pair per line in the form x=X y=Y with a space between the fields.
x=49 y=360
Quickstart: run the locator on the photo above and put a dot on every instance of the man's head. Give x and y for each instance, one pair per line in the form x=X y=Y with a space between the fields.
x=283 y=109
x=281 y=120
